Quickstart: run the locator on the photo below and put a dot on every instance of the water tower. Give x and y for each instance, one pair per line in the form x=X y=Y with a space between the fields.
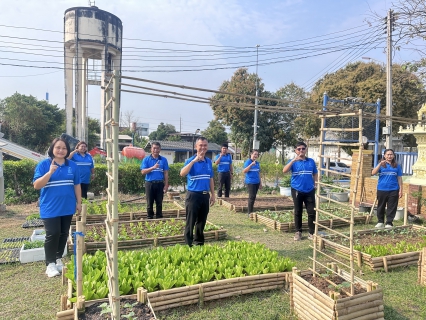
x=90 y=35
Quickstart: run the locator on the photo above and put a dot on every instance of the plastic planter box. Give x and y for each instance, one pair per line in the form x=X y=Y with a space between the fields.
x=33 y=255
x=37 y=235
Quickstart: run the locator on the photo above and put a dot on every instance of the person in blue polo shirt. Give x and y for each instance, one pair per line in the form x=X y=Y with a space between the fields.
x=199 y=172
x=85 y=164
x=389 y=188
x=156 y=169
x=252 y=179
x=304 y=176
x=60 y=197
x=225 y=170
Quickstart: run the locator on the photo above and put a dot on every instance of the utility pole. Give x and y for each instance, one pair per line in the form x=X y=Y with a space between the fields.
x=255 y=141
x=389 y=82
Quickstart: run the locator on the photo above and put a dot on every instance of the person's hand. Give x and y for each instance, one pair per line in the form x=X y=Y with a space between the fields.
x=298 y=158
x=382 y=162
x=166 y=187
x=78 y=209
x=199 y=157
x=260 y=186
x=53 y=167
x=157 y=165
x=92 y=176
x=212 y=199
x=400 y=193
x=253 y=163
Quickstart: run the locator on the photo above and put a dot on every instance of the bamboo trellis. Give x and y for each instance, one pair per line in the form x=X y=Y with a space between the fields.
x=112 y=111
x=351 y=207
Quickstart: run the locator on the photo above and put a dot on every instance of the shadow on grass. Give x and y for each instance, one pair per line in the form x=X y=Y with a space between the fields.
x=392 y=314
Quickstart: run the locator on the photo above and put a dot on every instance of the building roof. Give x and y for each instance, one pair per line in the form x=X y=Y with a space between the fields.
x=181 y=146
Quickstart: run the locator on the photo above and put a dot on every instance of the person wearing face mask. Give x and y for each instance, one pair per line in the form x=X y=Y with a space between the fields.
x=252 y=180
x=389 y=188
x=198 y=171
x=85 y=164
x=304 y=176
x=156 y=169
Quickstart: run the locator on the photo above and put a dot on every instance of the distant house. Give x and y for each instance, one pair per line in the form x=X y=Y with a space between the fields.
x=124 y=140
x=179 y=151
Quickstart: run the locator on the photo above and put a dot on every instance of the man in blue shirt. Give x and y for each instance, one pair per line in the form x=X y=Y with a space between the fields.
x=304 y=176
x=156 y=169
x=225 y=170
x=199 y=172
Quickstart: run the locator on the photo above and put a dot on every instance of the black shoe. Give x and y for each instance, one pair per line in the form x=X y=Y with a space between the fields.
x=150 y=217
x=159 y=217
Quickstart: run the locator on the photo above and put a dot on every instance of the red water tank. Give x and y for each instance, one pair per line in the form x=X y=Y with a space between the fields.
x=133 y=152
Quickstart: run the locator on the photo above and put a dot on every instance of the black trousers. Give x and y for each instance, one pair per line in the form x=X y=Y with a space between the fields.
x=224 y=179
x=57 y=231
x=197 y=207
x=154 y=192
x=300 y=198
x=84 y=189
x=387 y=199
x=252 y=191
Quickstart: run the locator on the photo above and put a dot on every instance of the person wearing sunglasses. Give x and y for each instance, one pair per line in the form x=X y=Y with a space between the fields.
x=304 y=176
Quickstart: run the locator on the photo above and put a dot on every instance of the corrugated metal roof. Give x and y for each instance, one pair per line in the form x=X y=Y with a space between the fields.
x=181 y=146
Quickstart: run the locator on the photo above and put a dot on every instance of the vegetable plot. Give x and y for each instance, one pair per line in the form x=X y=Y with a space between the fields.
x=177 y=266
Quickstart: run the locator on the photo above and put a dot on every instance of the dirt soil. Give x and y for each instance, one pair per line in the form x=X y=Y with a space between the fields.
x=384 y=237
x=325 y=286
x=262 y=202
x=141 y=311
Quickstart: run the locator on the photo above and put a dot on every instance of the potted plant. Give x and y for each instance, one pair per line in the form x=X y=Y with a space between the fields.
x=338 y=194
x=285 y=186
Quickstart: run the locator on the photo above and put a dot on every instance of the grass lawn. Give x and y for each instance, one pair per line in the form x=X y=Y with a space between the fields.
x=28 y=294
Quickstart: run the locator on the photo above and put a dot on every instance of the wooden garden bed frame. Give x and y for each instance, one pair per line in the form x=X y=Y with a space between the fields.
x=310 y=303
x=289 y=226
x=137 y=215
x=235 y=208
x=209 y=236
x=422 y=268
x=71 y=311
x=195 y=294
x=377 y=263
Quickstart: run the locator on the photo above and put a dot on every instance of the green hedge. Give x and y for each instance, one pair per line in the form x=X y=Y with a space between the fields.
x=18 y=177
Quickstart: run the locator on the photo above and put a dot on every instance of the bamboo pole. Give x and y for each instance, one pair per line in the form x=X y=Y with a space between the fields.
x=64 y=300
x=65 y=314
x=405 y=208
x=79 y=260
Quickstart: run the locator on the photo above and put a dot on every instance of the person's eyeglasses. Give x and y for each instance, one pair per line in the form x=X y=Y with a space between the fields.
x=300 y=149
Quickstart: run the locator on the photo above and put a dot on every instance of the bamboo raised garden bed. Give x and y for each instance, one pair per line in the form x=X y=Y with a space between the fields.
x=71 y=312
x=310 y=303
x=261 y=204
x=374 y=263
x=422 y=267
x=136 y=215
x=200 y=293
x=289 y=226
x=215 y=235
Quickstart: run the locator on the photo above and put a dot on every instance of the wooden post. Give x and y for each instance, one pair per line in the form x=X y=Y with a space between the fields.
x=79 y=260
x=405 y=208
x=142 y=295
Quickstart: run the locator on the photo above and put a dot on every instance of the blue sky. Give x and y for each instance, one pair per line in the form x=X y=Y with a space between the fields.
x=222 y=25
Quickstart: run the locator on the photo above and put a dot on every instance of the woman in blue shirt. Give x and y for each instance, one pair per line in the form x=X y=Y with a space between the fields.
x=85 y=164
x=252 y=180
x=60 y=197
x=389 y=188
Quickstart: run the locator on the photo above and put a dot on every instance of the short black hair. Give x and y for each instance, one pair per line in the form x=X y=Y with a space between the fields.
x=201 y=138
x=224 y=145
x=300 y=143
x=52 y=145
x=254 y=150
x=155 y=143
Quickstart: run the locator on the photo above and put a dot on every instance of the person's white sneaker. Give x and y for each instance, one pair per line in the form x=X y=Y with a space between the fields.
x=388 y=226
x=59 y=265
x=51 y=270
x=379 y=225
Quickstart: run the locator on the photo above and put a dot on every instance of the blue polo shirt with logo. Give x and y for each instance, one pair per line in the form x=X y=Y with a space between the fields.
x=225 y=163
x=57 y=197
x=301 y=175
x=158 y=173
x=253 y=175
x=85 y=166
x=198 y=178
x=388 y=178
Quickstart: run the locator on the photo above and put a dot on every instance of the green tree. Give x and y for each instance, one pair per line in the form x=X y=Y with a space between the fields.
x=368 y=82
x=30 y=122
x=240 y=119
x=162 y=132
x=94 y=129
x=215 y=132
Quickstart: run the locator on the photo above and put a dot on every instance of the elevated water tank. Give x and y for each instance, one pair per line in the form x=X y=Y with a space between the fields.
x=89 y=33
